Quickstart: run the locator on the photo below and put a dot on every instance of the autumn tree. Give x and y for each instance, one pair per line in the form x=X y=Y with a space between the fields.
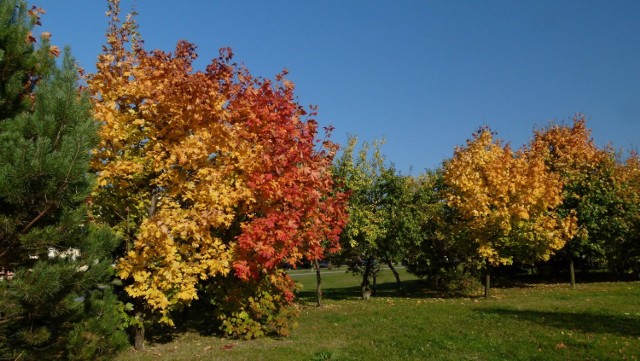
x=507 y=201
x=56 y=301
x=587 y=173
x=294 y=212
x=213 y=177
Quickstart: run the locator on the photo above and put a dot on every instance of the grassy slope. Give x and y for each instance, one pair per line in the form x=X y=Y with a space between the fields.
x=596 y=321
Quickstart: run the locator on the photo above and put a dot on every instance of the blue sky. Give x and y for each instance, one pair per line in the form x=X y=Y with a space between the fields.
x=422 y=74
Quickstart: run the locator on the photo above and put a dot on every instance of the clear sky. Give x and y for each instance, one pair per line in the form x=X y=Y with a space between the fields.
x=422 y=74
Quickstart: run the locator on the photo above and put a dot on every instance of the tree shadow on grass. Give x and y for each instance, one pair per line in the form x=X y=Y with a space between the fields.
x=580 y=321
x=412 y=289
x=199 y=318
x=530 y=280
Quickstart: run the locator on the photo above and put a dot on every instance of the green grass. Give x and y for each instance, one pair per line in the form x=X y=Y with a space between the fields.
x=595 y=321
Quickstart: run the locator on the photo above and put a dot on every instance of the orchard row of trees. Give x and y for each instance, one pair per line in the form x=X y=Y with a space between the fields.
x=153 y=189
x=558 y=200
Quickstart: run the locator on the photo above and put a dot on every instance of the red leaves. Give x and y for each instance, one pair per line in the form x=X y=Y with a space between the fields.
x=300 y=215
x=241 y=270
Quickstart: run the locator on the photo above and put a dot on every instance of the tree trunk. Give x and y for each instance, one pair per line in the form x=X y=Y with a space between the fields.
x=487 y=281
x=138 y=329
x=572 y=272
x=128 y=240
x=318 y=284
x=138 y=340
x=374 y=283
x=397 y=276
x=154 y=201
x=366 y=289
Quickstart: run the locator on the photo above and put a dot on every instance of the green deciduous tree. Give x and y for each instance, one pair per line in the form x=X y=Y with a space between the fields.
x=358 y=171
x=442 y=252
x=55 y=296
x=381 y=212
x=400 y=223
x=622 y=224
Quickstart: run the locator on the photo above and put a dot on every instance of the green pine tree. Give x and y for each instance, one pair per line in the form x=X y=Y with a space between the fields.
x=21 y=64
x=56 y=300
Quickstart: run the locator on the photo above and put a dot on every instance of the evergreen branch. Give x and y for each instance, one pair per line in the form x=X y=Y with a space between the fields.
x=48 y=205
x=41 y=214
x=58 y=136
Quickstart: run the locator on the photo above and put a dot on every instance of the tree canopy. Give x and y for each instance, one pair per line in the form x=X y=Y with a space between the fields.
x=208 y=174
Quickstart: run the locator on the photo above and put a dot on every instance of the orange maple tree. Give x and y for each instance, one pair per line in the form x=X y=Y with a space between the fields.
x=568 y=150
x=208 y=174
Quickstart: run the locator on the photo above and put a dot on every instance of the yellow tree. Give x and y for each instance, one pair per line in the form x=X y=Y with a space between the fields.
x=506 y=201
x=160 y=127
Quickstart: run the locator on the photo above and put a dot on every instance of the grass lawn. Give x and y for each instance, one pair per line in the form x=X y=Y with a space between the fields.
x=594 y=321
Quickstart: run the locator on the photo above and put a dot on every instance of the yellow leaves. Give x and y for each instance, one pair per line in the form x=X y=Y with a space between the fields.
x=506 y=199
x=141 y=276
x=164 y=264
x=486 y=251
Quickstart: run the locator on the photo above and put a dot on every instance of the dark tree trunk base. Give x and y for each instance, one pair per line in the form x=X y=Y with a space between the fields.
x=366 y=288
x=318 y=285
x=138 y=343
x=572 y=271
x=397 y=276
x=487 y=282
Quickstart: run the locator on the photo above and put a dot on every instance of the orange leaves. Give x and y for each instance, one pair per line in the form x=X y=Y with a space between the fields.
x=567 y=150
x=54 y=51
x=586 y=174
x=506 y=200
